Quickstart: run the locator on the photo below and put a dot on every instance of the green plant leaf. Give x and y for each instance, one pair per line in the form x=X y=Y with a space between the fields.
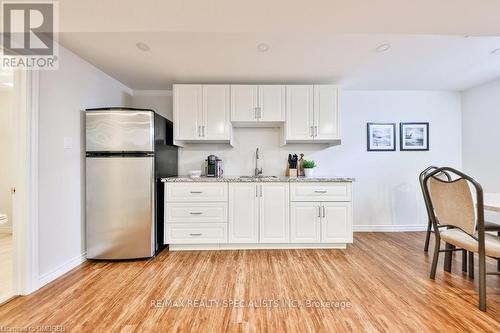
x=309 y=164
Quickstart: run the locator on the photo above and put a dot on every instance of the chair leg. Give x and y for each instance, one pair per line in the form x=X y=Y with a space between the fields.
x=482 y=282
x=464 y=260
x=448 y=257
x=498 y=260
x=471 y=265
x=435 y=258
x=428 y=236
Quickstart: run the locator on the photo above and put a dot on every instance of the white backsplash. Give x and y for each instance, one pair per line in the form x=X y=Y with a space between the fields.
x=240 y=159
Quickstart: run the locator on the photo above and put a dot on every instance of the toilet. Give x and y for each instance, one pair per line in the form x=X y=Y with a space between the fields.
x=3 y=219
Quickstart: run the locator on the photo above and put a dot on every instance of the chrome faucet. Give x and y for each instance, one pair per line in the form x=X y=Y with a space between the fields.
x=258 y=171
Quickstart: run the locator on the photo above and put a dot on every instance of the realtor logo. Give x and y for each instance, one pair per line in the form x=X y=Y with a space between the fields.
x=29 y=37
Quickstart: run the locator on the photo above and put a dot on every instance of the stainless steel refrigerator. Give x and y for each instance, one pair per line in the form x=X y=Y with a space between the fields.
x=127 y=151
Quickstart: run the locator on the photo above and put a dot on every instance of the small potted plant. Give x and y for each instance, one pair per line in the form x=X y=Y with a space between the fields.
x=309 y=166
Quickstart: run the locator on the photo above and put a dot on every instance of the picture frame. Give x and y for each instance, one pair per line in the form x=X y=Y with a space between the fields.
x=414 y=136
x=381 y=136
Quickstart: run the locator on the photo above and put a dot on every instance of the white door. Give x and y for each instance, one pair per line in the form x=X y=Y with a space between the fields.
x=188 y=118
x=271 y=103
x=326 y=112
x=299 y=112
x=243 y=213
x=305 y=222
x=274 y=212
x=216 y=112
x=336 y=222
x=244 y=102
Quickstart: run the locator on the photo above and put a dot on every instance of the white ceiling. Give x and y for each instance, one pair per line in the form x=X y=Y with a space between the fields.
x=327 y=41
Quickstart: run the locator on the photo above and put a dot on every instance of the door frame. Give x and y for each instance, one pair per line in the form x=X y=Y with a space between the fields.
x=25 y=200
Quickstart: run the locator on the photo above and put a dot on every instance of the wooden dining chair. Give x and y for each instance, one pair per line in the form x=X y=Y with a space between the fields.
x=459 y=221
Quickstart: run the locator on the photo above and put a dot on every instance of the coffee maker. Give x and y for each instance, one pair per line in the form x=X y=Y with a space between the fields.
x=213 y=166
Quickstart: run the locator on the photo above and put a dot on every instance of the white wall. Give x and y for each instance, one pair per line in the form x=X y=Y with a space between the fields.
x=481 y=134
x=64 y=93
x=7 y=153
x=387 y=195
x=157 y=100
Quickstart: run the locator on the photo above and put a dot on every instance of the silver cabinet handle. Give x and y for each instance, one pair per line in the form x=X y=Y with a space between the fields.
x=259 y=114
x=199 y=130
x=324 y=211
x=320 y=191
x=261 y=191
x=203 y=130
x=319 y=211
x=255 y=113
x=196 y=192
x=311 y=133
x=256 y=191
x=197 y=234
x=315 y=130
x=195 y=213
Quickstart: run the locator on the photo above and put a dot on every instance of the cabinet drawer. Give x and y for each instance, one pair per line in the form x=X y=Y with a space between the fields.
x=189 y=192
x=320 y=191
x=196 y=212
x=195 y=233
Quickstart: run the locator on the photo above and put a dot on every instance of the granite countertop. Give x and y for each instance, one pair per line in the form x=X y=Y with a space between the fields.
x=255 y=179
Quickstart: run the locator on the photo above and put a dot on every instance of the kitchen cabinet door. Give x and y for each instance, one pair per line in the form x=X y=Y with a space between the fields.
x=274 y=212
x=336 y=222
x=271 y=103
x=305 y=222
x=326 y=113
x=188 y=113
x=244 y=99
x=216 y=112
x=243 y=213
x=299 y=113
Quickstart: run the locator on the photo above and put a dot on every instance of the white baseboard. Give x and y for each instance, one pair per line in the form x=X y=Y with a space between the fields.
x=199 y=247
x=61 y=270
x=389 y=228
x=6 y=230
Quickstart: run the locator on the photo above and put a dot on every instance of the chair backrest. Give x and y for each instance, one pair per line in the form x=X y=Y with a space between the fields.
x=451 y=202
x=443 y=175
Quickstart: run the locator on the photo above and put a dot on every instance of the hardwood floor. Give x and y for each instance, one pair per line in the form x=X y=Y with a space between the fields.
x=6 y=267
x=383 y=276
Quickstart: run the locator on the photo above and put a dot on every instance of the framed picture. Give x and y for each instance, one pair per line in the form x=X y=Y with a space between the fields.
x=381 y=136
x=414 y=136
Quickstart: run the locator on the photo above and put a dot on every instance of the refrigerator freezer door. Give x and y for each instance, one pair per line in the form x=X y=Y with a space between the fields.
x=119 y=131
x=120 y=207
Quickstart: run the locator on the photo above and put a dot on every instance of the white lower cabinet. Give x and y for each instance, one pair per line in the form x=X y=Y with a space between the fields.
x=304 y=222
x=274 y=208
x=321 y=222
x=243 y=213
x=258 y=213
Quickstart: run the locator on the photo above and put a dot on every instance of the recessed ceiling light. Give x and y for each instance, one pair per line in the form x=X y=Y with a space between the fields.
x=263 y=47
x=143 y=46
x=383 y=47
x=496 y=51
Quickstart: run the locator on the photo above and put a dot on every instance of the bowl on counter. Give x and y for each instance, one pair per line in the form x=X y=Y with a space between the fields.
x=195 y=173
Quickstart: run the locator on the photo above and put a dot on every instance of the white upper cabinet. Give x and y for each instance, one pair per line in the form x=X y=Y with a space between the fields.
x=201 y=113
x=244 y=102
x=299 y=112
x=207 y=113
x=188 y=112
x=313 y=113
x=257 y=104
x=326 y=113
x=216 y=113
x=271 y=103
